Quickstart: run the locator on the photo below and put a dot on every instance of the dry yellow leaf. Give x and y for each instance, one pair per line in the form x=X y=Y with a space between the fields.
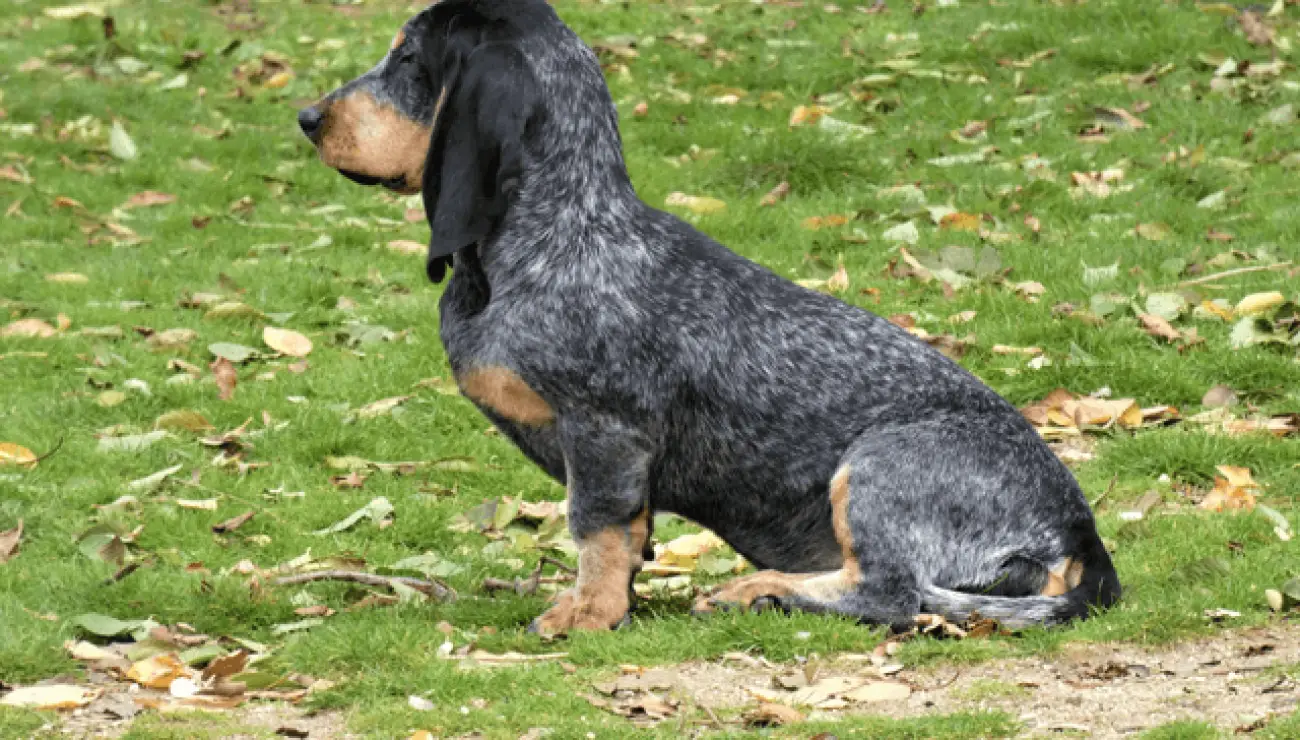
x=960 y=222
x=278 y=80
x=286 y=341
x=159 y=671
x=55 y=696
x=1258 y=303
x=15 y=454
x=695 y=203
x=71 y=278
x=406 y=246
x=688 y=548
x=803 y=115
x=30 y=328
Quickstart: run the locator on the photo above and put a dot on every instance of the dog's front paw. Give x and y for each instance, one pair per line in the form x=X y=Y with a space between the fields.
x=571 y=612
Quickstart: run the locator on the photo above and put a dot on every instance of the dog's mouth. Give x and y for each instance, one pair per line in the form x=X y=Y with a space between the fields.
x=397 y=184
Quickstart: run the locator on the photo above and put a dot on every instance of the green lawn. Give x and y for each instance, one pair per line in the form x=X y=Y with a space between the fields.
x=200 y=90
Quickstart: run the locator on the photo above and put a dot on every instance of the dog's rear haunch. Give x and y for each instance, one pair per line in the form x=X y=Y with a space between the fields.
x=652 y=369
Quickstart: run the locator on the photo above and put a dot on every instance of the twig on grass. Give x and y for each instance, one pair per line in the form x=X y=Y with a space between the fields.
x=528 y=586
x=1233 y=273
x=429 y=588
x=57 y=446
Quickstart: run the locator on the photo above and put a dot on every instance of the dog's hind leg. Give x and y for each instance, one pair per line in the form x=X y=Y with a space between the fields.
x=880 y=593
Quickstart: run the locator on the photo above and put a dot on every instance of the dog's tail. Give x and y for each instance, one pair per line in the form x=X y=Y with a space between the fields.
x=1098 y=587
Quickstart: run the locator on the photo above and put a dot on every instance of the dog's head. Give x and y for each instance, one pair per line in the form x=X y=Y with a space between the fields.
x=446 y=111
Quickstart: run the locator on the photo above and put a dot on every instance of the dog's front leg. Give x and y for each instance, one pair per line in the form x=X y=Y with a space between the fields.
x=607 y=466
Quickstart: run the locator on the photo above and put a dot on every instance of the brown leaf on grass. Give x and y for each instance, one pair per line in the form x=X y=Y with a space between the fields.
x=1257 y=31
x=1062 y=414
x=1096 y=184
x=29 y=328
x=1234 y=489
x=148 y=198
x=1030 y=290
x=406 y=246
x=233 y=523
x=1159 y=327
x=158 y=671
x=9 y=540
x=171 y=338
x=803 y=115
x=67 y=278
x=14 y=454
x=223 y=371
x=351 y=480
x=770 y=714
x=317 y=610
x=776 y=194
x=813 y=223
x=960 y=222
x=12 y=174
x=286 y=341
x=838 y=282
x=700 y=204
x=226 y=665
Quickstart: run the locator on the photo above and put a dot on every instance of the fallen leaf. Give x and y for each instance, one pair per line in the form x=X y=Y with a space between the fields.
x=120 y=144
x=50 y=697
x=878 y=691
x=197 y=504
x=776 y=194
x=813 y=223
x=1156 y=232
x=149 y=198
x=9 y=540
x=183 y=420
x=381 y=407
x=14 y=454
x=406 y=246
x=351 y=480
x=151 y=483
x=130 y=442
x=1159 y=327
x=171 y=338
x=67 y=278
x=1119 y=118
x=702 y=205
x=769 y=714
x=838 y=282
x=233 y=523
x=158 y=671
x=379 y=511
x=223 y=371
x=1220 y=396
x=1256 y=304
x=1234 y=489
x=106 y=626
x=1256 y=30
x=29 y=328
x=286 y=341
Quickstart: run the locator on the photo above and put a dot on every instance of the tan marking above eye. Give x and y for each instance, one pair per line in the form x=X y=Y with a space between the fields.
x=503 y=391
x=398 y=39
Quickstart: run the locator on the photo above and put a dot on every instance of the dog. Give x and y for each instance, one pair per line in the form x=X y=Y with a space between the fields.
x=652 y=369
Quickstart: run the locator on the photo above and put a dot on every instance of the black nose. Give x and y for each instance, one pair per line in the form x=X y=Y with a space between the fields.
x=309 y=120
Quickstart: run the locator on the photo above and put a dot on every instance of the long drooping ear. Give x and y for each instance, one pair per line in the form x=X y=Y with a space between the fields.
x=476 y=152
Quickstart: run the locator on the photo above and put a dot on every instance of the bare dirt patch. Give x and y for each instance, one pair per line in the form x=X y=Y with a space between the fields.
x=1101 y=691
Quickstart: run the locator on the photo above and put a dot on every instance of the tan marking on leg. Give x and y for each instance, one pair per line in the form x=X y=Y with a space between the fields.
x=359 y=134
x=607 y=562
x=821 y=587
x=840 y=521
x=1063 y=577
x=501 y=390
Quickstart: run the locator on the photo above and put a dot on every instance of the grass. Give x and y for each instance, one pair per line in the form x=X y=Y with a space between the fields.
x=281 y=233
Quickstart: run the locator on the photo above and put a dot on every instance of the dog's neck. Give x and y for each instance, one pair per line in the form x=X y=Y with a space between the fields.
x=575 y=201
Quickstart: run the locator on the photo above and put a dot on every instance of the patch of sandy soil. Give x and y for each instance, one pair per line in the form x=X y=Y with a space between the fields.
x=1102 y=691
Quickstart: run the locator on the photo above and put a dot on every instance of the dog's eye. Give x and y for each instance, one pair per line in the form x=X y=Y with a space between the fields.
x=405 y=55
